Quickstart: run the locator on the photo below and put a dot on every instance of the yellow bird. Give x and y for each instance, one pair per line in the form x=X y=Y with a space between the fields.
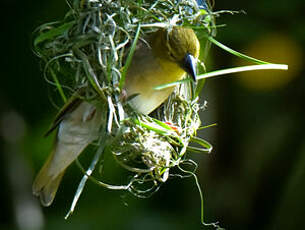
x=167 y=56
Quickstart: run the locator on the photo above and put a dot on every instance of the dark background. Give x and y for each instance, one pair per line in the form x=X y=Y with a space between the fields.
x=255 y=177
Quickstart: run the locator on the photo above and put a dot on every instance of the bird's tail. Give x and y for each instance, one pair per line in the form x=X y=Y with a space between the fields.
x=76 y=131
x=44 y=186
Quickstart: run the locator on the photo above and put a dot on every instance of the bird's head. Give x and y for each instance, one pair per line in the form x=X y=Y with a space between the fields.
x=179 y=45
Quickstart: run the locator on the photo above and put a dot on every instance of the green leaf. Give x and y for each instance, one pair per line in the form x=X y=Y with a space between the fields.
x=53 y=33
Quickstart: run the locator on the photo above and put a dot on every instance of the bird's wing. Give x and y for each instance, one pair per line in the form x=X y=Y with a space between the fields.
x=76 y=130
x=68 y=107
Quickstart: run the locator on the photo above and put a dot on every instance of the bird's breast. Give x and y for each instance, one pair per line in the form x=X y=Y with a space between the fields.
x=144 y=75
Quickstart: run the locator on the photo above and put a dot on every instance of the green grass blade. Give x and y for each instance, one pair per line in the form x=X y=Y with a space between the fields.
x=152 y=127
x=207 y=147
x=58 y=85
x=199 y=87
x=129 y=58
x=227 y=71
x=234 y=52
x=91 y=76
x=162 y=124
x=243 y=69
x=53 y=33
x=207 y=126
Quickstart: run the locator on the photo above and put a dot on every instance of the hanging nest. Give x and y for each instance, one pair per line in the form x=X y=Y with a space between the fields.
x=91 y=48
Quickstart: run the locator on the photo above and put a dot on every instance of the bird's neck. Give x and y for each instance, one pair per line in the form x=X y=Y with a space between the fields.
x=158 y=44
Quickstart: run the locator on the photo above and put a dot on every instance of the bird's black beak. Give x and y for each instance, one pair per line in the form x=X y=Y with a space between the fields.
x=189 y=65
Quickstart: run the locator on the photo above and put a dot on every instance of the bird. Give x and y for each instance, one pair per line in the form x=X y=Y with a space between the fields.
x=167 y=55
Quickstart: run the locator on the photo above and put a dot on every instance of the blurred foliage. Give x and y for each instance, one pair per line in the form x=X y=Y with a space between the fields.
x=254 y=178
x=279 y=48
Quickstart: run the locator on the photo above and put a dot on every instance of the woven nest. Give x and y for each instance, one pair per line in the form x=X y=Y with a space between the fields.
x=90 y=49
